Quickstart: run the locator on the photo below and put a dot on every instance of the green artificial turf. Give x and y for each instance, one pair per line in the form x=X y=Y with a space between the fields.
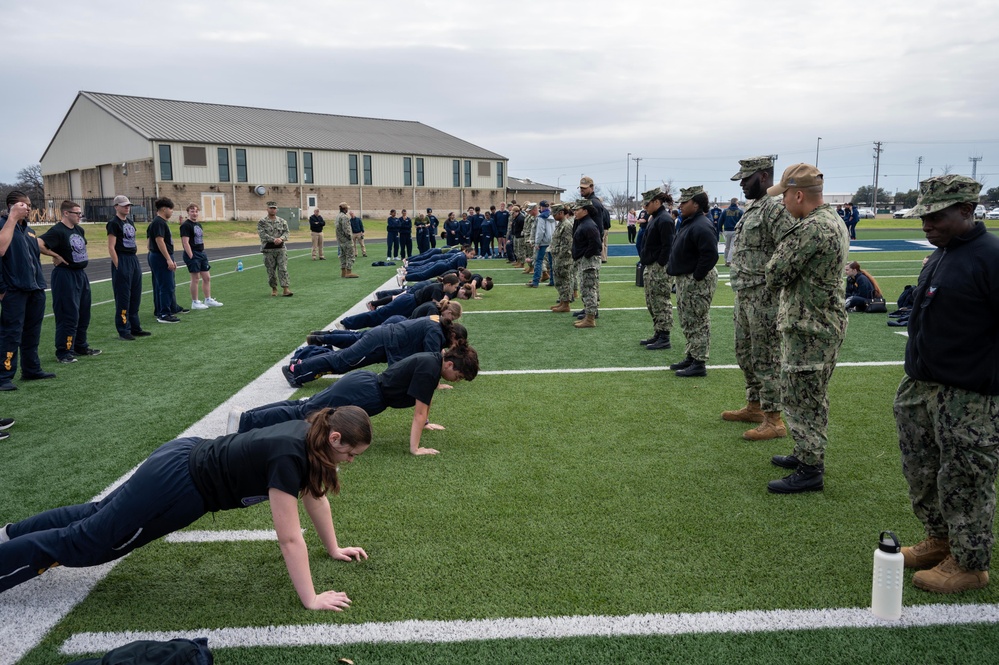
x=555 y=494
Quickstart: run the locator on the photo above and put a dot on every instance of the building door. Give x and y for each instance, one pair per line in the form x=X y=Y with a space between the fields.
x=312 y=202
x=75 y=186
x=212 y=207
x=107 y=181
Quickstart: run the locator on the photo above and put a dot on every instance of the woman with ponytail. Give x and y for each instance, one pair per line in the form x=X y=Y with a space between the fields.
x=407 y=383
x=189 y=477
x=861 y=288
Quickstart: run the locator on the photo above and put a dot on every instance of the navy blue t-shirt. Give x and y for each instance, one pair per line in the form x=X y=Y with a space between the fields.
x=69 y=243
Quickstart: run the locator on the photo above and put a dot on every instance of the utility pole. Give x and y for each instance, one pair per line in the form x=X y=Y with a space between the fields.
x=627 y=181
x=974 y=166
x=817 y=141
x=919 y=167
x=877 y=166
x=637 y=160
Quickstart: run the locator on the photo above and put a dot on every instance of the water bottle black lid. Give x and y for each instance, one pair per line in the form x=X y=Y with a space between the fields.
x=891 y=546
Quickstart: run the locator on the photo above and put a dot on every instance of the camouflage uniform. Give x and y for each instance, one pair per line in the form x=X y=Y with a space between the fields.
x=693 y=307
x=695 y=247
x=807 y=269
x=345 y=240
x=529 y=222
x=947 y=406
x=561 y=251
x=275 y=258
x=589 y=281
x=658 y=288
x=659 y=233
x=757 y=340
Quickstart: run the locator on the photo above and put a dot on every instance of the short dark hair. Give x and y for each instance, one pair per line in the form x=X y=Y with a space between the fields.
x=68 y=205
x=16 y=196
x=163 y=203
x=702 y=201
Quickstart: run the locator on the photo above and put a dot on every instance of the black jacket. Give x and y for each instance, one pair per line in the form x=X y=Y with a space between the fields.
x=658 y=239
x=586 y=239
x=601 y=217
x=695 y=248
x=954 y=324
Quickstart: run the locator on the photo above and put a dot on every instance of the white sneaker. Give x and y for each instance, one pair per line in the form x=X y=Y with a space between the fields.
x=212 y=302
x=197 y=304
x=3 y=534
x=232 y=425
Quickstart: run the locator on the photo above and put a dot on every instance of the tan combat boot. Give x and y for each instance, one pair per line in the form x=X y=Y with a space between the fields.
x=949 y=577
x=751 y=413
x=927 y=553
x=575 y=294
x=349 y=274
x=772 y=427
x=544 y=275
x=563 y=306
x=586 y=322
x=343 y=272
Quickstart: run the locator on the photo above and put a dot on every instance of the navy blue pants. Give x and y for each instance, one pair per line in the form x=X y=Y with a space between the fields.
x=126 y=280
x=428 y=270
x=343 y=339
x=71 y=306
x=358 y=388
x=164 y=286
x=368 y=350
x=21 y=314
x=402 y=306
x=158 y=499
x=392 y=242
x=405 y=245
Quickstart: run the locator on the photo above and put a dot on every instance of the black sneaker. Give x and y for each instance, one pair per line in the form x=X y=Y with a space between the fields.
x=683 y=364
x=805 y=478
x=127 y=337
x=6 y=423
x=37 y=377
x=7 y=385
x=182 y=310
x=785 y=461
x=65 y=360
x=290 y=377
x=696 y=368
x=170 y=318
x=4 y=435
x=142 y=333
x=88 y=352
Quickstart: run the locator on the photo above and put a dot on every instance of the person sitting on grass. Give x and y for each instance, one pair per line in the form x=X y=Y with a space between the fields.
x=189 y=477
x=407 y=383
x=861 y=288
x=403 y=304
x=383 y=344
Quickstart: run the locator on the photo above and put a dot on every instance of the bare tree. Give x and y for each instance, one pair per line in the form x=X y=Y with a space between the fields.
x=29 y=181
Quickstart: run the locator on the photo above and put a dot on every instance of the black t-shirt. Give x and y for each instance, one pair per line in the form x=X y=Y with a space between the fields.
x=193 y=231
x=426 y=309
x=70 y=244
x=411 y=380
x=429 y=292
x=124 y=235
x=158 y=228
x=237 y=470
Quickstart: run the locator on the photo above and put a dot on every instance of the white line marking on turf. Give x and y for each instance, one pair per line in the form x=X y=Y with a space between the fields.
x=220 y=536
x=29 y=611
x=586 y=370
x=749 y=621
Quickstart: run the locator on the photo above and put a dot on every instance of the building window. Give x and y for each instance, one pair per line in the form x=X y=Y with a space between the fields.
x=468 y=173
x=353 y=169
x=241 y=165
x=419 y=172
x=223 y=164
x=407 y=171
x=456 y=172
x=307 y=167
x=485 y=169
x=367 y=169
x=166 y=166
x=195 y=156
x=292 y=166
x=499 y=175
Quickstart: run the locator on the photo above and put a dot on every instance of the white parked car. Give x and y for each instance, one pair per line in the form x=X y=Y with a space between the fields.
x=866 y=213
x=902 y=214
x=980 y=212
x=992 y=214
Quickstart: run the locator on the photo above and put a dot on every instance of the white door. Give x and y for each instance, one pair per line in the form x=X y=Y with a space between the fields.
x=312 y=202
x=107 y=181
x=212 y=207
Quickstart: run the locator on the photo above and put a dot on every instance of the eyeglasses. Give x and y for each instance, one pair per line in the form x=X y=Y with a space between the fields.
x=74 y=212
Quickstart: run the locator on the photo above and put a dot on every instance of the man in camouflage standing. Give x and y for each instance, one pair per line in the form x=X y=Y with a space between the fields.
x=529 y=221
x=757 y=340
x=586 y=248
x=561 y=251
x=807 y=270
x=656 y=246
x=947 y=406
x=345 y=240
x=692 y=262
x=273 y=232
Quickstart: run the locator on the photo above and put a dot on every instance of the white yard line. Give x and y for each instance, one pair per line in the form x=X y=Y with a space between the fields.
x=588 y=370
x=29 y=611
x=749 y=621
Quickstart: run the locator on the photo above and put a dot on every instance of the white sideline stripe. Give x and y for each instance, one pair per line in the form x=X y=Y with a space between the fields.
x=30 y=610
x=243 y=535
x=587 y=370
x=749 y=621
x=602 y=309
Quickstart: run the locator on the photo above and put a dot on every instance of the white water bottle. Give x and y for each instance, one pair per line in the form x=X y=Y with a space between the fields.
x=886 y=592
x=239 y=266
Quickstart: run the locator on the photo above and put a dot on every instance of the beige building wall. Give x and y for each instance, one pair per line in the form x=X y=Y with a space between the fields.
x=89 y=137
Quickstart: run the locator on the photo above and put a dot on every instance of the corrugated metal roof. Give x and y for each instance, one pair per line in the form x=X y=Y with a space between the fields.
x=198 y=122
x=529 y=186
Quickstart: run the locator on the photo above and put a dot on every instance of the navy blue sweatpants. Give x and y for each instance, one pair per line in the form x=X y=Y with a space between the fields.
x=126 y=280
x=358 y=388
x=21 y=314
x=71 y=306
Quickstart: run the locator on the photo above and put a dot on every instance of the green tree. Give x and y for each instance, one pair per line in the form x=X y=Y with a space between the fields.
x=863 y=196
x=992 y=195
x=906 y=199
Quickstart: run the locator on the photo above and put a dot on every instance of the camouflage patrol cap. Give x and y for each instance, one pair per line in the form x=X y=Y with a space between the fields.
x=652 y=195
x=943 y=191
x=748 y=167
x=797 y=175
x=271 y=204
x=582 y=203
x=559 y=207
x=687 y=193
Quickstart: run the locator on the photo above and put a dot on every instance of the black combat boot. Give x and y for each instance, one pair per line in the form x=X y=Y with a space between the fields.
x=661 y=342
x=785 y=461
x=683 y=364
x=806 y=478
x=696 y=368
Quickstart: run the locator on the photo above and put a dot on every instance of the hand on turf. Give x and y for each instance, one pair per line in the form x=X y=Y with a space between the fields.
x=433 y=426
x=330 y=600
x=426 y=451
x=350 y=554
x=444 y=386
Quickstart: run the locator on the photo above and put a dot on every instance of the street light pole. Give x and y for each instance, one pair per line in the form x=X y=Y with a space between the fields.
x=817 y=141
x=627 y=179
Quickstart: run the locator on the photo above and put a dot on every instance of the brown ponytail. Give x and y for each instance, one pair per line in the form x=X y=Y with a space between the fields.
x=354 y=427
x=464 y=358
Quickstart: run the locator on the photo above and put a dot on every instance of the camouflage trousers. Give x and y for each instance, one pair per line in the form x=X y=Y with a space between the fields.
x=658 y=290
x=347 y=251
x=589 y=282
x=757 y=345
x=807 y=364
x=562 y=273
x=693 y=307
x=519 y=249
x=949 y=439
x=276 y=262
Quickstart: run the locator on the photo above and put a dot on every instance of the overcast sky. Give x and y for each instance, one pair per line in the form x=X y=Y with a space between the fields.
x=560 y=88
